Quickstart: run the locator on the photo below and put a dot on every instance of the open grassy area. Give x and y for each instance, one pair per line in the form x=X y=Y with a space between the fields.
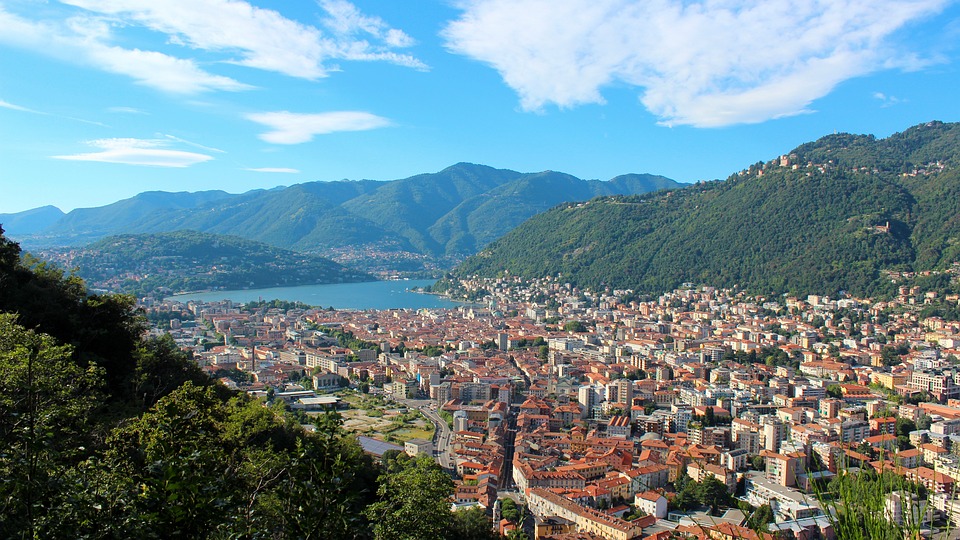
x=377 y=417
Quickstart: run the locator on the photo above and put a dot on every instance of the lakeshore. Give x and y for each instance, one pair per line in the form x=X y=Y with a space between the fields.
x=393 y=294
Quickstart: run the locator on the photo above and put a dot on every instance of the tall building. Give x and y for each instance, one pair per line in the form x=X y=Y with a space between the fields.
x=620 y=391
x=591 y=398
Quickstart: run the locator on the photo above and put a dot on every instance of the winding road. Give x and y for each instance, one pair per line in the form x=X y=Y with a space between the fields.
x=442 y=436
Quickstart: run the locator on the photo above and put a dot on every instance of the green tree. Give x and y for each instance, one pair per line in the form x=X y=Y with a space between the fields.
x=46 y=401
x=574 y=326
x=509 y=510
x=904 y=426
x=517 y=534
x=472 y=524
x=713 y=493
x=413 y=502
x=162 y=367
x=760 y=518
x=326 y=489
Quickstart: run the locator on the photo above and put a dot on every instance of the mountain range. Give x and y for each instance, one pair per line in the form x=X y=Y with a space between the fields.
x=846 y=212
x=451 y=213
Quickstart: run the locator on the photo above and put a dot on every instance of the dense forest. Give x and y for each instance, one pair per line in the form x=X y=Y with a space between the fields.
x=141 y=264
x=834 y=215
x=106 y=434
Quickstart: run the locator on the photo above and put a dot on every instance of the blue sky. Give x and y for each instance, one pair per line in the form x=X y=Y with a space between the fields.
x=103 y=99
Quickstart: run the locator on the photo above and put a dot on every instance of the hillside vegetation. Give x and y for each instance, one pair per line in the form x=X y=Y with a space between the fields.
x=451 y=213
x=831 y=215
x=141 y=264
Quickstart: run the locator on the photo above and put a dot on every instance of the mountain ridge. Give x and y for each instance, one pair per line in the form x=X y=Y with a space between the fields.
x=434 y=215
x=833 y=214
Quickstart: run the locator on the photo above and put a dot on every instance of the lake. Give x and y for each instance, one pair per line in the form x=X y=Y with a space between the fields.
x=367 y=295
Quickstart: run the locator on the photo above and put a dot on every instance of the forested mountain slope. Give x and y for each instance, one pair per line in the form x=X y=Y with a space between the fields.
x=453 y=212
x=830 y=215
x=141 y=264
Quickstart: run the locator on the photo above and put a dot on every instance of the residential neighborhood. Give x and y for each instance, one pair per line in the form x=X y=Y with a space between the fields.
x=591 y=409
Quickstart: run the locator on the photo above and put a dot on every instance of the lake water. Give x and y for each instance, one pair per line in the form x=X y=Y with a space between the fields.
x=368 y=295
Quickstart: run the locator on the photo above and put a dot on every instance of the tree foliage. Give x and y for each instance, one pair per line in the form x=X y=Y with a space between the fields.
x=106 y=434
x=832 y=226
x=414 y=502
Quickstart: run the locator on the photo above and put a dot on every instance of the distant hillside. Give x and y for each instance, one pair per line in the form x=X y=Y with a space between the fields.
x=481 y=219
x=453 y=212
x=85 y=225
x=30 y=221
x=832 y=215
x=189 y=261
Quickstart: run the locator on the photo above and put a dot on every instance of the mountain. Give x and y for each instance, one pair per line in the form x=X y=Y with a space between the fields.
x=141 y=264
x=302 y=216
x=451 y=213
x=831 y=215
x=84 y=225
x=481 y=219
x=30 y=221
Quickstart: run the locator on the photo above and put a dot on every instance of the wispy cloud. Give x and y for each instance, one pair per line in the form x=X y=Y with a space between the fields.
x=160 y=71
x=191 y=143
x=353 y=28
x=263 y=38
x=148 y=152
x=280 y=170
x=222 y=31
x=85 y=40
x=295 y=128
x=126 y=110
x=704 y=64
x=887 y=101
x=11 y=106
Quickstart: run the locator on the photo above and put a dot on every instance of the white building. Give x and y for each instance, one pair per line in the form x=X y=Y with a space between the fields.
x=652 y=503
x=414 y=447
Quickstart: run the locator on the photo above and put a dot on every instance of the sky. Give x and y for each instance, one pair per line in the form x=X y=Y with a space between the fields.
x=104 y=99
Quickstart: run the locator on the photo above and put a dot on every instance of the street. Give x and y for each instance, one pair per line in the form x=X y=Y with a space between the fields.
x=442 y=436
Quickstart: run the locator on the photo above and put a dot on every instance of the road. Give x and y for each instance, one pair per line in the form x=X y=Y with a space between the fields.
x=442 y=437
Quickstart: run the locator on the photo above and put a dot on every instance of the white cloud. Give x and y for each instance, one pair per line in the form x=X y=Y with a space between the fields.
x=11 y=106
x=147 y=152
x=84 y=40
x=702 y=63
x=126 y=110
x=349 y=25
x=295 y=128
x=281 y=170
x=224 y=31
x=263 y=38
x=887 y=101
x=190 y=143
x=160 y=71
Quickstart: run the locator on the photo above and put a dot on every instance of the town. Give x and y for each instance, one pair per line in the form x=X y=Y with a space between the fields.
x=692 y=414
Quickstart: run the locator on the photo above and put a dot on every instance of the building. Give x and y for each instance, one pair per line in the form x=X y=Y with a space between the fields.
x=940 y=384
x=415 y=447
x=544 y=503
x=619 y=427
x=326 y=381
x=651 y=503
x=787 y=504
